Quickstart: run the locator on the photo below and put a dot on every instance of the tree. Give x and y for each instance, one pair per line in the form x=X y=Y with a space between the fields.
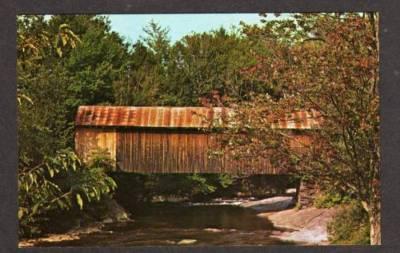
x=140 y=78
x=36 y=46
x=145 y=69
x=160 y=73
x=156 y=40
x=202 y=63
x=95 y=64
x=326 y=63
x=50 y=176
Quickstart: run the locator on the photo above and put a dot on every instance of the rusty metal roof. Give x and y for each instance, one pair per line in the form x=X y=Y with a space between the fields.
x=176 y=117
x=171 y=117
x=299 y=120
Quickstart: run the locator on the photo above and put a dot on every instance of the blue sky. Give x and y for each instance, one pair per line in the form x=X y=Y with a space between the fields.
x=131 y=26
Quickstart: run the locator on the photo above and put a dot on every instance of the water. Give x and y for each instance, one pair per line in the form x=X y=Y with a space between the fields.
x=169 y=224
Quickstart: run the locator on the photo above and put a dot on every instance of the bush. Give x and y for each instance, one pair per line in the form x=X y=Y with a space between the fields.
x=58 y=183
x=330 y=199
x=350 y=226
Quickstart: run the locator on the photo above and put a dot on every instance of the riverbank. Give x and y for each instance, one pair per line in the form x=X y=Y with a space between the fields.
x=309 y=225
x=68 y=236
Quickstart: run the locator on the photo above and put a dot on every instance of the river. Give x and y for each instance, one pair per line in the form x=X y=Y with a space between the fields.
x=181 y=224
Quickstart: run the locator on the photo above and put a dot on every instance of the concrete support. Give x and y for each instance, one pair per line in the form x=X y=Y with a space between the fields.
x=306 y=194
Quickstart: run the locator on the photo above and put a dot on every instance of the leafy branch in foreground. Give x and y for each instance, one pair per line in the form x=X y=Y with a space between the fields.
x=61 y=182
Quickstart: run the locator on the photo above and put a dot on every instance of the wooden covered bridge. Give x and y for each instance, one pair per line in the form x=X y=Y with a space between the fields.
x=167 y=139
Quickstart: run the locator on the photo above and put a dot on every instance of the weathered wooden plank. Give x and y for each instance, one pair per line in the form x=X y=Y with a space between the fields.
x=170 y=151
x=178 y=152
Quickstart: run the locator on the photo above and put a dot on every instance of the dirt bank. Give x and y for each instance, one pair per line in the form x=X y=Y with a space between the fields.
x=309 y=225
x=68 y=236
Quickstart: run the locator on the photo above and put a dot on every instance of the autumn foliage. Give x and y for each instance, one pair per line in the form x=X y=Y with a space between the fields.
x=328 y=63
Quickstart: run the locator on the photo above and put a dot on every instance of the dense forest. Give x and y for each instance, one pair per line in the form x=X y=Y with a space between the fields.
x=327 y=62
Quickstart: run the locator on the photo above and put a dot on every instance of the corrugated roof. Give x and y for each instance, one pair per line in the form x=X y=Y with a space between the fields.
x=299 y=120
x=171 y=117
x=176 y=117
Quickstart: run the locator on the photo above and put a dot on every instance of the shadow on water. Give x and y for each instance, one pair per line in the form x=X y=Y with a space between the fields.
x=175 y=224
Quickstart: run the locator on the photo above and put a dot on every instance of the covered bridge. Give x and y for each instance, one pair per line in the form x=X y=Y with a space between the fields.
x=166 y=139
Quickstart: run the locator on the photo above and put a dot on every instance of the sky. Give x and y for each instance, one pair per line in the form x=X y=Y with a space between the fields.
x=131 y=26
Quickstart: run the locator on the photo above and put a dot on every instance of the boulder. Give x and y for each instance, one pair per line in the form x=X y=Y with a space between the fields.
x=308 y=225
x=186 y=241
x=270 y=204
x=214 y=230
x=291 y=191
x=115 y=212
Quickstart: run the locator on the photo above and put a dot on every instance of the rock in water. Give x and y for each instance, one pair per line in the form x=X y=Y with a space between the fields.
x=309 y=224
x=115 y=213
x=270 y=204
x=214 y=230
x=186 y=241
x=291 y=191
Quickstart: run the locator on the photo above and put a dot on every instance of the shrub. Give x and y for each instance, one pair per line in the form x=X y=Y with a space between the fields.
x=330 y=199
x=58 y=183
x=350 y=226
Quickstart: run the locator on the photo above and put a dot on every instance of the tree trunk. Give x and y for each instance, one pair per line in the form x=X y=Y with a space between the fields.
x=375 y=229
x=375 y=222
x=375 y=215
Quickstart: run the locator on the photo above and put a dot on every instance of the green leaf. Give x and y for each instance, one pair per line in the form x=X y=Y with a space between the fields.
x=31 y=177
x=96 y=193
x=34 y=209
x=63 y=26
x=20 y=213
x=59 y=51
x=79 y=201
x=63 y=40
x=51 y=172
x=26 y=186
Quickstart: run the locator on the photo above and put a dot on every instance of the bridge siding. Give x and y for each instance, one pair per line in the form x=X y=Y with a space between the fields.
x=160 y=151
x=89 y=140
x=176 y=152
